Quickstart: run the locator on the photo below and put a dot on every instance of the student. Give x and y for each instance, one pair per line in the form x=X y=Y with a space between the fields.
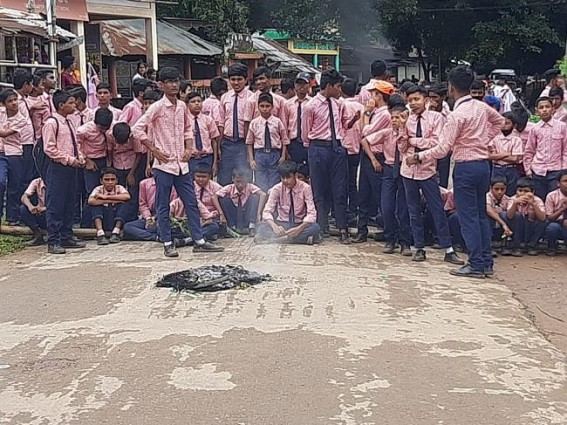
x=351 y=142
x=107 y=203
x=437 y=102
x=49 y=83
x=22 y=80
x=379 y=72
x=478 y=90
x=33 y=214
x=497 y=204
x=40 y=110
x=556 y=211
x=212 y=105
x=506 y=153
x=527 y=218
x=149 y=98
x=423 y=129
x=12 y=125
x=293 y=115
x=240 y=204
x=323 y=123
x=151 y=74
x=67 y=74
x=104 y=96
x=551 y=77
x=60 y=144
x=209 y=226
x=185 y=88
x=206 y=188
x=140 y=74
x=303 y=173
x=206 y=135
x=233 y=105
x=133 y=110
x=468 y=130
x=556 y=94
x=393 y=203
x=83 y=113
x=448 y=198
x=266 y=143
x=546 y=151
x=288 y=88
x=290 y=215
x=167 y=121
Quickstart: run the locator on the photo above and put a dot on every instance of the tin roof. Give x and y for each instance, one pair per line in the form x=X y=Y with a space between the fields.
x=276 y=53
x=14 y=21
x=128 y=37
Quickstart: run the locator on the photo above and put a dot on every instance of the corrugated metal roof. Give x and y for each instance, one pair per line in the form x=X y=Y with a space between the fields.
x=275 y=52
x=128 y=37
x=14 y=20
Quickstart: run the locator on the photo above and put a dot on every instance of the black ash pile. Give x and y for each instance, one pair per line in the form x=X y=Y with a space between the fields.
x=212 y=279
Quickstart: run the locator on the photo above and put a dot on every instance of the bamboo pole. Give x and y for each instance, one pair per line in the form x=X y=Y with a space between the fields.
x=26 y=231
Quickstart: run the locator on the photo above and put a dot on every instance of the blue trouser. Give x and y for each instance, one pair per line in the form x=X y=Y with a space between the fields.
x=265 y=230
x=353 y=163
x=60 y=200
x=472 y=182
x=328 y=170
x=267 y=175
x=525 y=231
x=242 y=219
x=80 y=199
x=3 y=181
x=110 y=214
x=233 y=156
x=137 y=231
x=496 y=230
x=28 y=166
x=33 y=221
x=92 y=180
x=511 y=175
x=443 y=171
x=394 y=207
x=130 y=208
x=207 y=160
x=369 y=191
x=545 y=184
x=430 y=190
x=455 y=228
x=183 y=184
x=553 y=232
x=297 y=152
x=16 y=187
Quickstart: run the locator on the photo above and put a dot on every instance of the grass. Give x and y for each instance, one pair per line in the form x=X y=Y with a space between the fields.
x=10 y=244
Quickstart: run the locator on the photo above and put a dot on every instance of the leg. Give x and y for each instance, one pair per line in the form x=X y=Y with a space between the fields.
x=70 y=195
x=29 y=219
x=353 y=163
x=364 y=195
x=16 y=175
x=137 y=231
x=229 y=211
x=320 y=181
x=455 y=228
x=297 y=152
x=164 y=183
x=29 y=170
x=551 y=180
x=251 y=211
x=535 y=231
x=312 y=230
x=211 y=230
x=339 y=182
x=430 y=190
x=540 y=184
x=262 y=165
x=227 y=163
x=264 y=231
x=273 y=173
x=512 y=176
x=3 y=181
x=413 y=199
x=389 y=205
x=58 y=178
x=443 y=169
x=554 y=232
x=186 y=190
x=402 y=214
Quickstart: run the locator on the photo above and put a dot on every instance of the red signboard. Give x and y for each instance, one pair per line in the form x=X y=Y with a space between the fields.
x=72 y=10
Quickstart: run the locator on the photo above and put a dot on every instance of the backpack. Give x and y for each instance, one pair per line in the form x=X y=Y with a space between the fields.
x=40 y=158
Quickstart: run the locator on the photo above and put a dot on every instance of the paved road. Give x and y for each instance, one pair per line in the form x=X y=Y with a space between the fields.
x=341 y=336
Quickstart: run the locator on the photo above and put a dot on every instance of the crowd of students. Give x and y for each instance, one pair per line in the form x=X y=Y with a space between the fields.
x=175 y=168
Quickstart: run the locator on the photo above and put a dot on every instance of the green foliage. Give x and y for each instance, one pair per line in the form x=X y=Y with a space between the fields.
x=10 y=244
x=562 y=65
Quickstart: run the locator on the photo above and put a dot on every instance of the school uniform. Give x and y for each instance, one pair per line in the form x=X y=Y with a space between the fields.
x=322 y=130
x=109 y=213
x=36 y=191
x=205 y=195
x=423 y=133
x=526 y=228
x=116 y=113
x=560 y=114
x=93 y=144
x=500 y=207
x=28 y=138
x=268 y=137
x=209 y=227
x=251 y=110
x=513 y=146
x=205 y=131
x=364 y=96
x=555 y=230
x=79 y=118
x=60 y=144
x=293 y=116
x=169 y=125
x=468 y=130
x=289 y=208
x=444 y=164
x=233 y=146
x=546 y=155
x=39 y=116
x=132 y=112
x=212 y=108
x=448 y=198
x=240 y=208
x=351 y=142
x=3 y=176
x=13 y=163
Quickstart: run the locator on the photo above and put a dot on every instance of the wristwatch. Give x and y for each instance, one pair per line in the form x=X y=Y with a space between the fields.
x=368 y=114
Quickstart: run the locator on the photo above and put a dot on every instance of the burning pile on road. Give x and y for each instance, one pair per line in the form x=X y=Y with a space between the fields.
x=212 y=278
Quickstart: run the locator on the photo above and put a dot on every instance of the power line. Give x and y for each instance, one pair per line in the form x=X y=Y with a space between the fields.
x=503 y=7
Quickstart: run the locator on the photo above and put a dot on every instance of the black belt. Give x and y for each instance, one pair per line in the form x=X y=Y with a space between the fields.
x=267 y=150
x=505 y=166
x=324 y=143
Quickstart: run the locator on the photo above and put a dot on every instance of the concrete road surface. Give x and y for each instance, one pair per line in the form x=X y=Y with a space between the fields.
x=342 y=335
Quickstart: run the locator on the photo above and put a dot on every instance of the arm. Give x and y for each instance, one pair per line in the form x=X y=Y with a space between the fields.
x=250 y=149
x=270 y=208
x=284 y=140
x=118 y=198
x=140 y=132
x=553 y=213
x=496 y=217
x=306 y=123
x=539 y=210
x=145 y=210
x=263 y=199
x=7 y=133
x=366 y=147
x=25 y=199
x=216 y=203
x=131 y=178
x=50 y=147
x=529 y=152
x=496 y=120
x=512 y=211
x=432 y=141
x=446 y=140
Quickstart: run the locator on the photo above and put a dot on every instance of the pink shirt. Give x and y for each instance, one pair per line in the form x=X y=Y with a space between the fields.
x=290 y=115
x=40 y=115
x=448 y=198
x=212 y=108
x=510 y=144
x=205 y=195
x=498 y=206
x=37 y=187
x=527 y=210
x=468 y=130
x=365 y=95
x=79 y=118
x=147 y=197
x=257 y=131
x=546 y=149
x=123 y=156
x=58 y=140
x=560 y=114
x=27 y=135
x=100 y=190
x=316 y=123
x=208 y=129
x=177 y=210
x=12 y=145
x=132 y=112
x=524 y=135
x=279 y=203
x=116 y=113
x=380 y=120
x=93 y=142
x=251 y=111
x=351 y=141
x=227 y=108
x=389 y=139
x=231 y=191
x=555 y=202
x=170 y=126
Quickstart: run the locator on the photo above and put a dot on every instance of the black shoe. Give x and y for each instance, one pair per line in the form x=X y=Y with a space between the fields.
x=36 y=241
x=506 y=252
x=379 y=237
x=73 y=244
x=55 y=249
x=353 y=222
x=325 y=234
x=419 y=256
x=345 y=238
x=532 y=251
x=102 y=240
x=13 y=223
x=390 y=248
x=170 y=251
x=467 y=271
x=207 y=247
x=551 y=252
x=453 y=258
x=458 y=248
x=517 y=253
x=436 y=246
x=360 y=238
x=115 y=238
x=494 y=253
x=180 y=243
x=252 y=232
x=406 y=251
x=489 y=271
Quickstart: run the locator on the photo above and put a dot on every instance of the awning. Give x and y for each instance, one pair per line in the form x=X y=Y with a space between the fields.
x=73 y=10
x=15 y=22
x=289 y=63
x=128 y=37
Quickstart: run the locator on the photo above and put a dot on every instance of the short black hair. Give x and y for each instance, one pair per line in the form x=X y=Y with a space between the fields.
x=525 y=182
x=398 y=108
x=140 y=64
x=378 y=68
x=439 y=89
x=78 y=91
x=396 y=100
x=511 y=116
x=103 y=117
x=417 y=89
x=556 y=91
x=67 y=61
x=59 y=97
x=551 y=74
x=287 y=168
x=240 y=173
x=168 y=74
x=184 y=85
x=349 y=87
x=477 y=85
x=121 y=132
x=303 y=169
x=109 y=170
x=21 y=77
x=406 y=86
x=238 y=70
x=287 y=84
x=192 y=95
x=461 y=78
x=262 y=70
x=36 y=81
x=218 y=85
x=139 y=85
x=151 y=71
x=202 y=168
x=151 y=95
x=561 y=174
x=330 y=78
x=43 y=73
x=103 y=86
x=497 y=180
x=5 y=94
x=266 y=97
x=543 y=99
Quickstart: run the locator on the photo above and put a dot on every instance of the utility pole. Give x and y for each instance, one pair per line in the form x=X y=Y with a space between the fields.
x=52 y=33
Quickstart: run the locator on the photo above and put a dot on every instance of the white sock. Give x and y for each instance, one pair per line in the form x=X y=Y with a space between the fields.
x=199 y=242
x=449 y=250
x=116 y=231
x=252 y=225
x=187 y=240
x=99 y=233
x=168 y=243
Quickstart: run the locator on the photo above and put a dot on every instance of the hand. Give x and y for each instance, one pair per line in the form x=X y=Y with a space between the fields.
x=376 y=165
x=564 y=204
x=101 y=197
x=253 y=165
x=433 y=104
x=131 y=180
x=282 y=160
x=41 y=210
x=82 y=161
x=370 y=105
x=150 y=222
x=507 y=231
x=529 y=197
x=278 y=230
x=293 y=232
x=90 y=165
x=76 y=163
x=33 y=209
x=161 y=157
x=215 y=169
x=410 y=160
x=222 y=220
x=38 y=106
x=205 y=222
x=186 y=155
